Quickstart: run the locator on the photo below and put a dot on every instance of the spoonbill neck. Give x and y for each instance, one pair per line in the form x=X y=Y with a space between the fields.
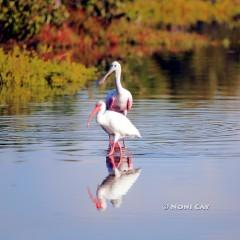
x=118 y=80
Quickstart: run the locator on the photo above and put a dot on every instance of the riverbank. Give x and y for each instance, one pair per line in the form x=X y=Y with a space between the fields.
x=25 y=77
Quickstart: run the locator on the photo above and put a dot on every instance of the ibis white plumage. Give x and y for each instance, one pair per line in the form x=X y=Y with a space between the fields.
x=118 y=99
x=114 y=123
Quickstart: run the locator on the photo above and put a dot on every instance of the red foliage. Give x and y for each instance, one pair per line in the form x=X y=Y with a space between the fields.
x=89 y=41
x=63 y=36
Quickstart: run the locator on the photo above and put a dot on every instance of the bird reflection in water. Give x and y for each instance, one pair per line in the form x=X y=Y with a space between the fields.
x=120 y=179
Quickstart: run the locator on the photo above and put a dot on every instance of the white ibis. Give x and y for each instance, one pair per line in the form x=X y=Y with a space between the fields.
x=114 y=187
x=114 y=123
x=118 y=99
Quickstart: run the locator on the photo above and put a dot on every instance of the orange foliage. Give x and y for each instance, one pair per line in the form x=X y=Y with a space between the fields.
x=87 y=40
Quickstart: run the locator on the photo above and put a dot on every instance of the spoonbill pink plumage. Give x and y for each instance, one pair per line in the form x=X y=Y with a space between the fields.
x=118 y=99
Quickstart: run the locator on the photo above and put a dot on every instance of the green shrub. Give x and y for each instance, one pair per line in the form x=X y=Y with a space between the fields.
x=183 y=14
x=22 y=19
x=106 y=11
x=25 y=77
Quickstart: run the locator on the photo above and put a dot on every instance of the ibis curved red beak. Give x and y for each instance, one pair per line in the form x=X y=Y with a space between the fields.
x=102 y=80
x=94 y=111
x=95 y=200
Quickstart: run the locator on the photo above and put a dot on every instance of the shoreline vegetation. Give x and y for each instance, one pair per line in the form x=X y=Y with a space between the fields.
x=48 y=47
x=24 y=77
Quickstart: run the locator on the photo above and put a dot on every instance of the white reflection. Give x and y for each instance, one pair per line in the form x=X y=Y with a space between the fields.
x=116 y=185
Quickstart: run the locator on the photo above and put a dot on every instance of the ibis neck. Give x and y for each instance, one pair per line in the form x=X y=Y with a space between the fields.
x=102 y=198
x=100 y=114
x=118 y=80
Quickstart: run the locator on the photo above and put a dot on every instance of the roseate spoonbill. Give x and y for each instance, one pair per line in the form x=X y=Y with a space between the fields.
x=114 y=187
x=119 y=99
x=114 y=123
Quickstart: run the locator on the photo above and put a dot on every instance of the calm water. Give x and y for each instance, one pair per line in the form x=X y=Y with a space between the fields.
x=189 y=154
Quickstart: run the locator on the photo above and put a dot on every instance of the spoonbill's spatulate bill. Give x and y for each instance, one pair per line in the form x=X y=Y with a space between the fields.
x=118 y=99
x=114 y=123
